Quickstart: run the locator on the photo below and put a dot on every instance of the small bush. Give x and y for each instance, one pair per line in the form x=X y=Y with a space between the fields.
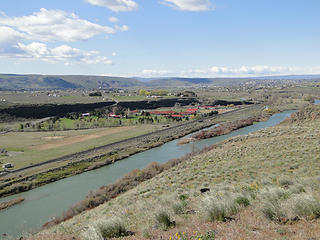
x=207 y=236
x=285 y=182
x=305 y=206
x=92 y=233
x=272 y=209
x=183 y=197
x=275 y=194
x=112 y=228
x=242 y=201
x=274 y=212
x=220 y=209
x=297 y=189
x=146 y=234
x=163 y=220
x=95 y=94
x=179 y=208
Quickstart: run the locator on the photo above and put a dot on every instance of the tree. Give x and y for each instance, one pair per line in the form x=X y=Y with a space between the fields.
x=144 y=92
x=95 y=94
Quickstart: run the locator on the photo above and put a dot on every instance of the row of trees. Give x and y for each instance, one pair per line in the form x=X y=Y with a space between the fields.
x=144 y=92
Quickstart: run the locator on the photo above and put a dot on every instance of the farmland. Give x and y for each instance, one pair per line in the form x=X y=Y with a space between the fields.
x=34 y=147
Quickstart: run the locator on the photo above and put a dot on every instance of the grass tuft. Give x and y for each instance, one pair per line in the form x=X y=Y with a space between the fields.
x=163 y=220
x=305 y=206
x=219 y=209
x=106 y=229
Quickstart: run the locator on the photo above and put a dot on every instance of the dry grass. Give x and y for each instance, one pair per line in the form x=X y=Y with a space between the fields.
x=56 y=142
x=8 y=204
x=50 y=237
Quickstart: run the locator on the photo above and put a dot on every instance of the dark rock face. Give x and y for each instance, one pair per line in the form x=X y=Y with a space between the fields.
x=225 y=103
x=48 y=110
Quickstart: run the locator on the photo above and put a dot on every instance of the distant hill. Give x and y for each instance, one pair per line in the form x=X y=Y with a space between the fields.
x=29 y=82
x=174 y=82
x=16 y=82
x=290 y=77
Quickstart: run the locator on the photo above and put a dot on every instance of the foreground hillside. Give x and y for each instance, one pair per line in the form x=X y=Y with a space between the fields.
x=262 y=186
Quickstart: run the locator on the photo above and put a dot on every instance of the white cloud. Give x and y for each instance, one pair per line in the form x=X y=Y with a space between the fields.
x=113 y=19
x=114 y=54
x=116 y=5
x=51 y=25
x=122 y=28
x=151 y=72
x=8 y=35
x=251 y=70
x=25 y=37
x=242 y=71
x=64 y=53
x=189 y=5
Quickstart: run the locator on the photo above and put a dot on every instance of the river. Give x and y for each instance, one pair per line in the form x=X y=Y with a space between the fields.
x=44 y=203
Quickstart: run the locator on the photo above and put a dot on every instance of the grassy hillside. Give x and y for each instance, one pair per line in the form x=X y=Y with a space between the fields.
x=15 y=82
x=262 y=186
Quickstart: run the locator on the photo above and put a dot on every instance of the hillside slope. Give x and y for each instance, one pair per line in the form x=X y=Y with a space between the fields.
x=16 y=82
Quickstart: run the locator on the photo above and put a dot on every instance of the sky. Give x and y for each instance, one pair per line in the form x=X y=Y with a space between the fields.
x=160 y=38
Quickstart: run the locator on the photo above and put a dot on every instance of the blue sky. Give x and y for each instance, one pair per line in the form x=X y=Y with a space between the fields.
x=190 y=38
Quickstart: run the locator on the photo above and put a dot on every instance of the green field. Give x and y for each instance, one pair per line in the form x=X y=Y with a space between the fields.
x=44 y=97
x=33 y=147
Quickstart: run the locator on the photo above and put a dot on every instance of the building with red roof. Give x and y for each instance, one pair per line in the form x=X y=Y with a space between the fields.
x=193 y=110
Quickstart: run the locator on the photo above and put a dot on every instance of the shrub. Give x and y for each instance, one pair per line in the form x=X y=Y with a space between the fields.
x=285 y=182
x=272 y=209
x=92 y=233
x=220 y=209
x=183 y=197
x=207 y=236
x=297 y=189
x=163 y=220
x=179 y=208
x=304 y=206
x=275 y=194
x=274 y=212
x=95 y=94
x=242 y=200
x=112 y=228
x=146 y=234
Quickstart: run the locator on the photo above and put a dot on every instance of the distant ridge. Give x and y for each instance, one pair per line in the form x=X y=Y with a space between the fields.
x=28 y=82
x=35 y=82
x=291 y=77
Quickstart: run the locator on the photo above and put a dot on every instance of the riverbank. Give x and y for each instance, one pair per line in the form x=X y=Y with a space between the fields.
x=224 y=128
x=8 y=204
x=124 y=184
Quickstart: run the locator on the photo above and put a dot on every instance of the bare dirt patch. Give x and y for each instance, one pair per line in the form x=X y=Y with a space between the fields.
x=59 y=142
x=53 y=137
